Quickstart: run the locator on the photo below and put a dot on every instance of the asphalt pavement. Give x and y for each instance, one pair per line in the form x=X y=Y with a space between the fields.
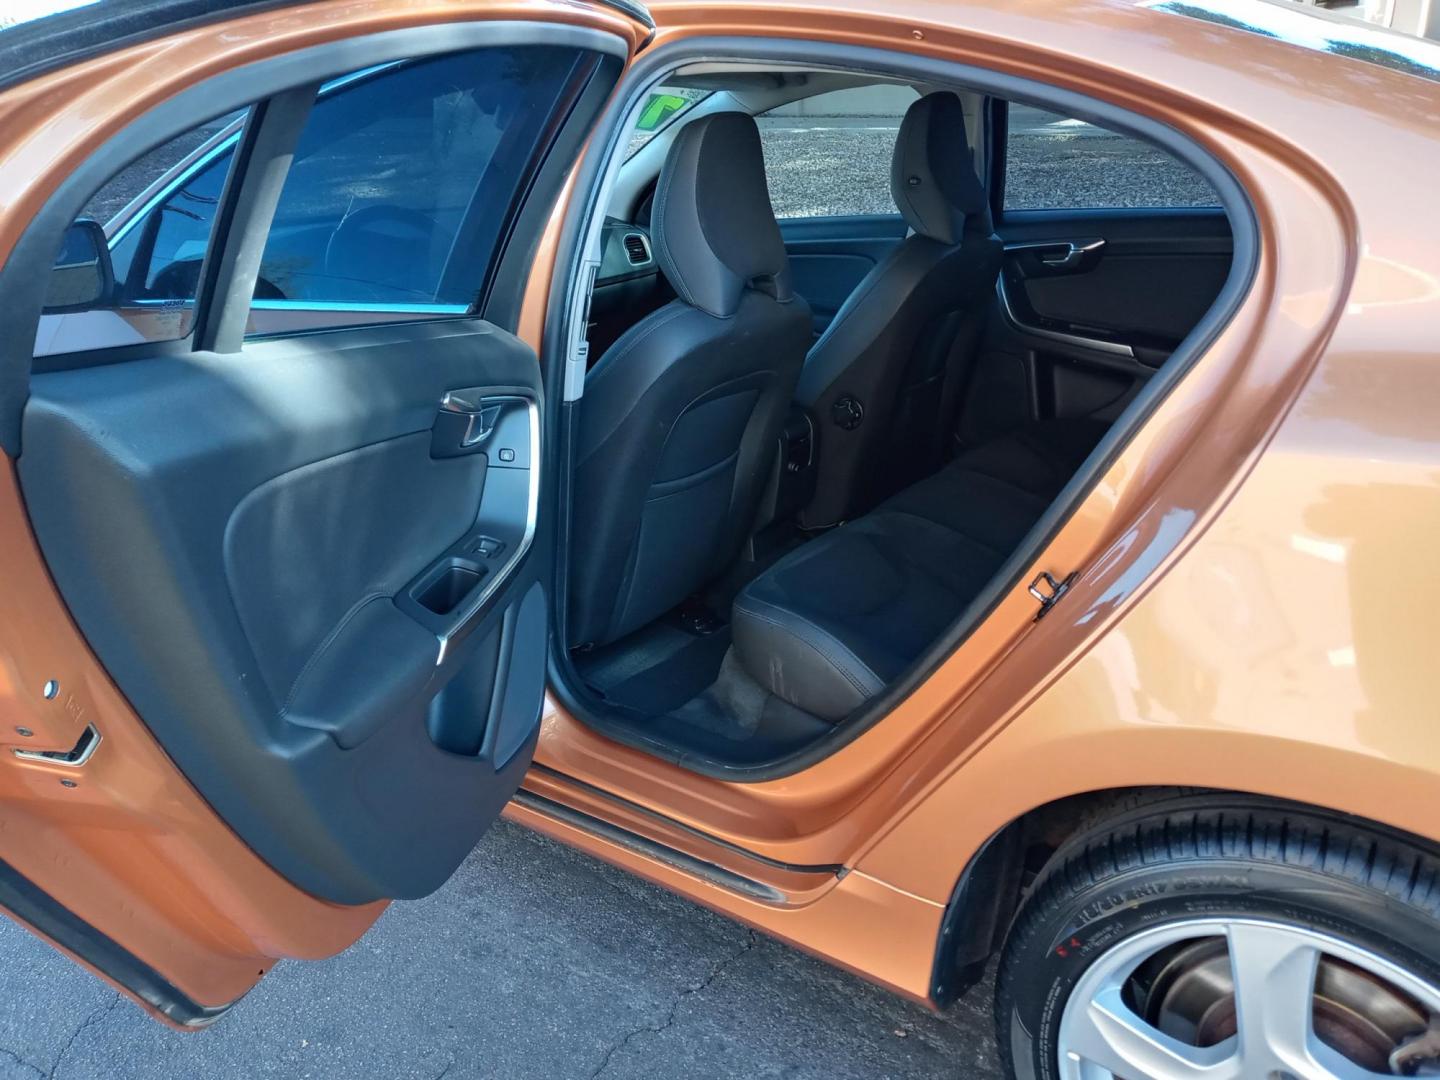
x=533 y=961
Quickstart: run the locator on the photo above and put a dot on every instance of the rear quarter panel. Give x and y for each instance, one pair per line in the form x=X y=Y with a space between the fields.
x=1281 y=639
x=1234 y=624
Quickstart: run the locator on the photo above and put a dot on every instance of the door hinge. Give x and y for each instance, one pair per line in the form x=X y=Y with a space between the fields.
x=1049 y=591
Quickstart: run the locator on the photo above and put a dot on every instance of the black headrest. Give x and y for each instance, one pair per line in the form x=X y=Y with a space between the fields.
x=932 y=176
x=712 y=225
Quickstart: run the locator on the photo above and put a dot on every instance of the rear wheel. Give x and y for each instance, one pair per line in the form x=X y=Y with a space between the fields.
x=1246 y=941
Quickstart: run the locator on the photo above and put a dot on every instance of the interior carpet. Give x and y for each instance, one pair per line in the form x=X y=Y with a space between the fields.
x=656 y=669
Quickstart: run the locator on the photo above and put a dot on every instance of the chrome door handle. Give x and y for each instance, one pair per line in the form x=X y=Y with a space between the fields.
x=1072 y=255
x=1058 y=254
x=464 y=421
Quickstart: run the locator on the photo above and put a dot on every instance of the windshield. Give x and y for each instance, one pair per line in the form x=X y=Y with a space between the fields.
x=662 y=108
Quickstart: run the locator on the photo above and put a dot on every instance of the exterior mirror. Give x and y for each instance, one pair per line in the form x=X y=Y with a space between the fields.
x=83 y=276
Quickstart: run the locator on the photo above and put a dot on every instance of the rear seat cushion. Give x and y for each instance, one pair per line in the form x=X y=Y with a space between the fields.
x=830 y=625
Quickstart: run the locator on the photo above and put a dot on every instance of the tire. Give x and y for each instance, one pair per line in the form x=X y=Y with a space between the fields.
x=1214 y=861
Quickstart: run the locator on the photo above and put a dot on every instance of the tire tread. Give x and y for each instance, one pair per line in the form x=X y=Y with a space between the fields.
x=1183 y=827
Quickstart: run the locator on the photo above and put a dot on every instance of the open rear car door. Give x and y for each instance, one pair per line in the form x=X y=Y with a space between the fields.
x=272 y=647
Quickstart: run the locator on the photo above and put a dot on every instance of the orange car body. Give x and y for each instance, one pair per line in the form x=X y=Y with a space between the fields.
x=1244 y=616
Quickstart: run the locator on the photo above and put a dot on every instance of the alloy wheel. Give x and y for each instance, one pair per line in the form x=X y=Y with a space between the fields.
x=1239 y=999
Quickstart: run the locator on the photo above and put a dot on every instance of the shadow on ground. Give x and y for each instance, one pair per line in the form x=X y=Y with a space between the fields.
x=534 y=961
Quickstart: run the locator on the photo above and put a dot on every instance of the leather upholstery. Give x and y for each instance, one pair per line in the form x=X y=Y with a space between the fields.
x=681 y=417
x=714 y=231
x=937 y=281
x=932 y=175
x=831 y=624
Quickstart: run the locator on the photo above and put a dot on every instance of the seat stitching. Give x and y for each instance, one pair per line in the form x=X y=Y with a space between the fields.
x=679 y=485
x=837 y=667
x=829 y=659
x=609 y=361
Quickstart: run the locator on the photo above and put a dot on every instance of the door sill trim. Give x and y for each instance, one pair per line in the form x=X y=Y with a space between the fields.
x=835 y=869
x=651 y=849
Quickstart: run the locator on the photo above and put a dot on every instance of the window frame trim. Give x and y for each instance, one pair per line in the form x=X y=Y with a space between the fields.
x=24 y=275
x=230 y=267
x=239 y=138
x=132 y=214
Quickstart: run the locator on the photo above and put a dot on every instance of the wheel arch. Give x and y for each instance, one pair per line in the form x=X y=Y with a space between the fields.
x=994 y=881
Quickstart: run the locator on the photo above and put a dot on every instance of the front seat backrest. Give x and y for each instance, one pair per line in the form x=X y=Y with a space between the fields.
x=681 y=417
x=911 y=320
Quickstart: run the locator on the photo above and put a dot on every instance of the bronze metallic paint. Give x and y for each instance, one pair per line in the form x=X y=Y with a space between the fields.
x=1234 y=624
x=133 y=849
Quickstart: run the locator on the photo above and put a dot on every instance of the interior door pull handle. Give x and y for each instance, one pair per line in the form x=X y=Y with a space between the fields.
x=1070 y=255
x=1058 y=254
x=464 y=422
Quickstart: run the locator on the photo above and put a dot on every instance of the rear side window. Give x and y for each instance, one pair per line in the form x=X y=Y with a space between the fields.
x=1055 y=162
x=398 y=199
x=829 y=155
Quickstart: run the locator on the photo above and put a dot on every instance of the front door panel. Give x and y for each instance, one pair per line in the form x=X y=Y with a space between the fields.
x=830 y=256
x=1115 y=279
x=1089 y=305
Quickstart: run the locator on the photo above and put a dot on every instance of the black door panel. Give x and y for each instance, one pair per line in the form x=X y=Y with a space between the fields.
x=247 y=541
x=1141 y=278
x=830 y=256
x=1150 y=301
x=1089 y=304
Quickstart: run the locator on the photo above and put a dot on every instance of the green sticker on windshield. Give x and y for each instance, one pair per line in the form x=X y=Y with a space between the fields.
x=658 y=109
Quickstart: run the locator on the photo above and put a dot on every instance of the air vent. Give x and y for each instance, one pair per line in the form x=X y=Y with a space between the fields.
x=637 y=248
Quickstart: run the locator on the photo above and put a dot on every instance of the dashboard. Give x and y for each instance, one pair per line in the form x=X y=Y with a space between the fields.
x=628 y=284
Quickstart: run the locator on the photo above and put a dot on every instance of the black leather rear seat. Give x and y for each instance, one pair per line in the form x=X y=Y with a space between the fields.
x=828 y=626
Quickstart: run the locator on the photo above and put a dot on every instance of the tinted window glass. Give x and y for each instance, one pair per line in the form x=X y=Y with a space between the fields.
x=1055 y=162
x=404 y=181
x=157 y=256
x=158 y=213
x=400 y=193
x=829 y=155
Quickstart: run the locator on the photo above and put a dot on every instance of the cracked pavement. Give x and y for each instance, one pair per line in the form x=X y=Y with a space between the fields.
x=533 y=961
